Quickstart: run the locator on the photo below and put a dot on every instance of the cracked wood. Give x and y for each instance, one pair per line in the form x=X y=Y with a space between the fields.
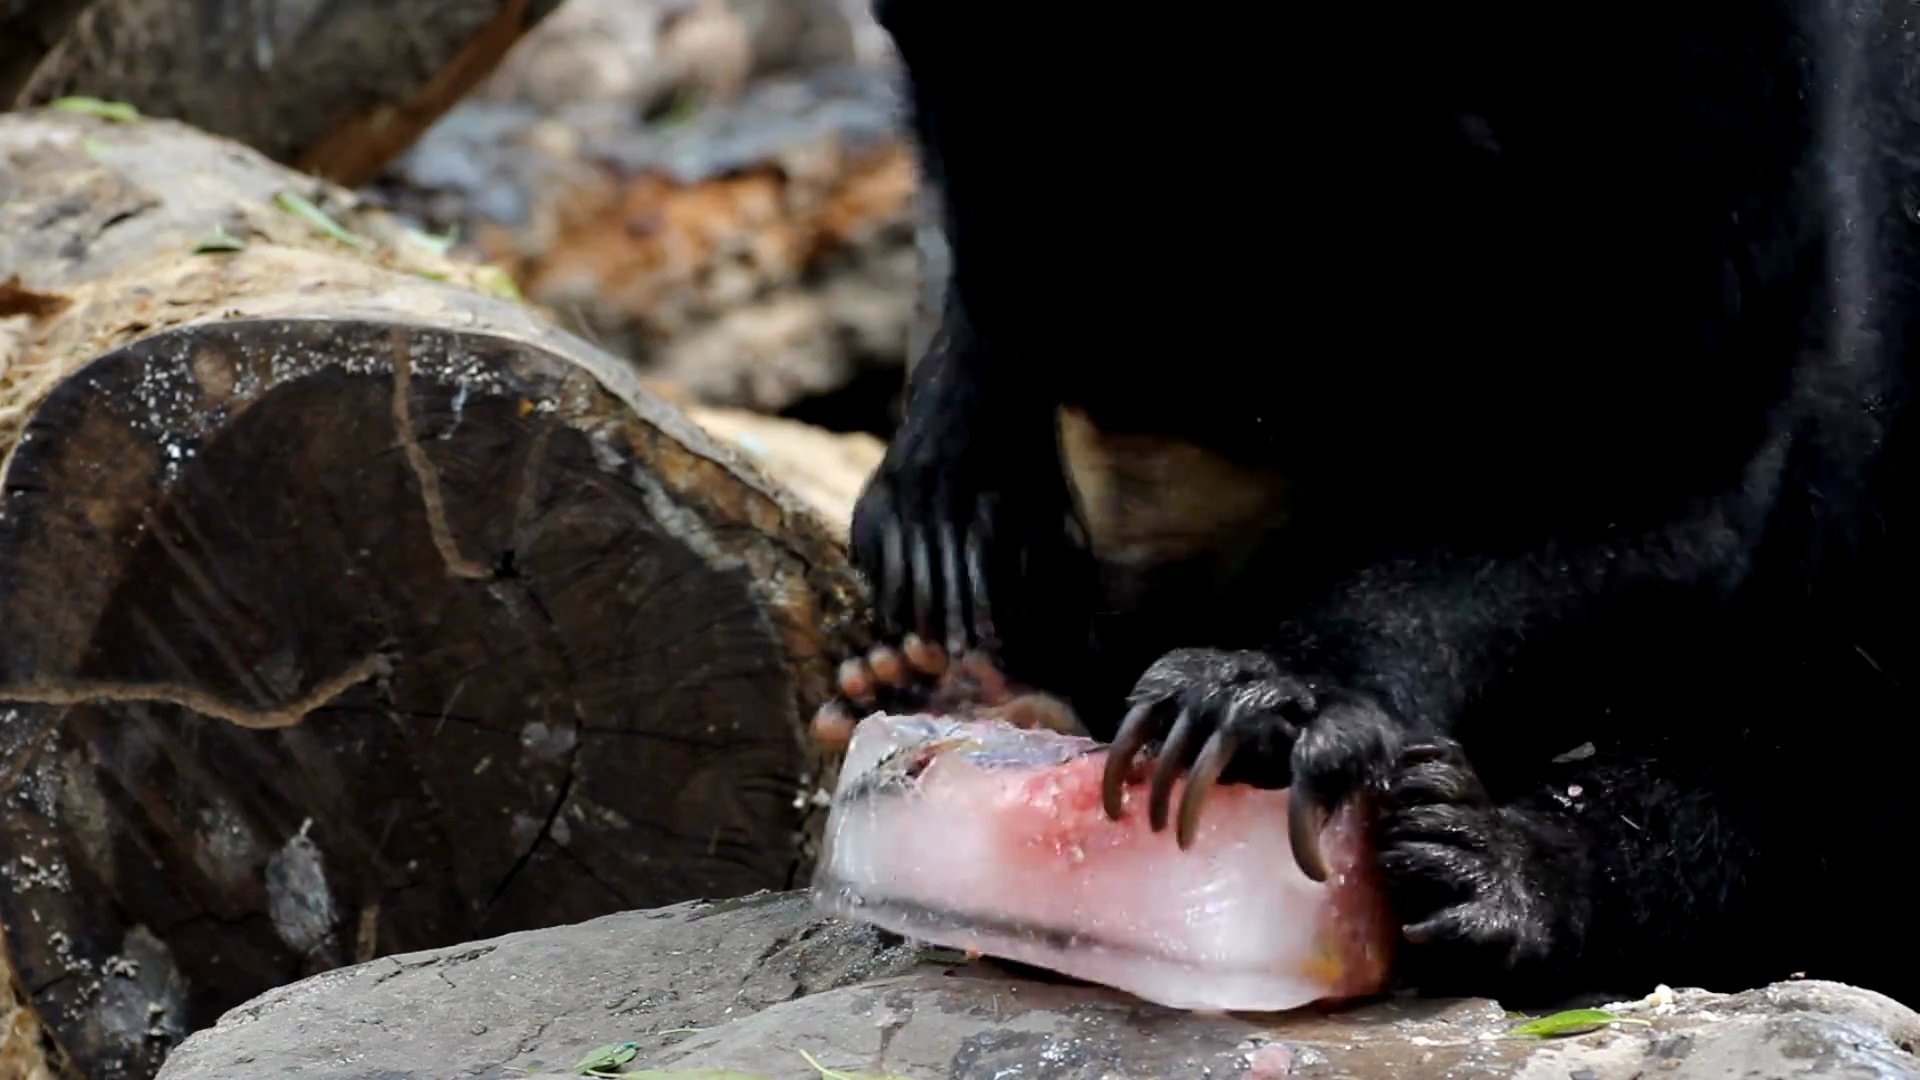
x=353 y=612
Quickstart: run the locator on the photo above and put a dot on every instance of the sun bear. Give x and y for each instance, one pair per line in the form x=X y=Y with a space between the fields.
x=1499 y=411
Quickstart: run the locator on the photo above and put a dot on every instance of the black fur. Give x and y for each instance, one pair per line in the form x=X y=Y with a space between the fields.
x=1585 y=340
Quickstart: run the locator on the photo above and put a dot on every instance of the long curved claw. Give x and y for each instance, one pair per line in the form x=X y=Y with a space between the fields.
x=1447 y=923
x=920 y=557
x=1127 y=742
x=956 y=612
x=1305 y=818
x=1172 y=752
x=977 y=576
x=893 y=569
x=1200 y=781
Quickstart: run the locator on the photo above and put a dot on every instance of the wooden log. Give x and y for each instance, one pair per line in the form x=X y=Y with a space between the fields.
x=28 y=1049
x=827 y=469
x=351 y=607
x=334 y=87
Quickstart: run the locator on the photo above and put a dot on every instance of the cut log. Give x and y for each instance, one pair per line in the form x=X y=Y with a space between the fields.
x=28 y=1049
x=331 y=86
x=825 y=468
x=351 y=608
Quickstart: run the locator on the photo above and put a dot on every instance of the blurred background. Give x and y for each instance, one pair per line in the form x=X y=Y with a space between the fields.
x=718 y=189
x=722 y=193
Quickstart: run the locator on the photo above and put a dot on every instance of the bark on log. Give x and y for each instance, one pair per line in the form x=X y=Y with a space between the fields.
x=349 y=611
x=827 y=469
x=28 y=1049
x=335 y=87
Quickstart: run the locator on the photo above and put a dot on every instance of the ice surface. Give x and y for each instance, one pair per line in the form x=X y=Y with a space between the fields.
x=981 y=835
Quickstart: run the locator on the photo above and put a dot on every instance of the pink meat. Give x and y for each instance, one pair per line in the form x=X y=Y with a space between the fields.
x=984 y=836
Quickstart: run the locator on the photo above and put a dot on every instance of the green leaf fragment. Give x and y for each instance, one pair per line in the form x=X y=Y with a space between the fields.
x=439 y=245
x=610 y=1056
x=681 y=107
x=301 y=207
x=93 y=146
x=219 y=240
x=497 y=281
x=93 y=106
x=1569 y=1022
x=835 y=1074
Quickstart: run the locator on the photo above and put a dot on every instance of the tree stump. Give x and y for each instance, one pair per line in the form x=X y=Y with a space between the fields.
x=351 y=608
x=335 y=87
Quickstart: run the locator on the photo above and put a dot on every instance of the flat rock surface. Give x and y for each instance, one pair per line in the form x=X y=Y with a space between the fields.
x=760 y=985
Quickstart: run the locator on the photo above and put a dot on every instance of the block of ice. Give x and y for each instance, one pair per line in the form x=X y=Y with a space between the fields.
x=980 y=835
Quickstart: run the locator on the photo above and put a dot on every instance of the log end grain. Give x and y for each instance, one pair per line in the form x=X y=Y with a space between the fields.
x=351 y=612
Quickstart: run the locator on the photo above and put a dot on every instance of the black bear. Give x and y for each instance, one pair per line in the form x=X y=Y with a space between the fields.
x=1499 y=408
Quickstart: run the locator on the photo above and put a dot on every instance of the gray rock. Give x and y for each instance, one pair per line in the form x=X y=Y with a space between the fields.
x=761 y=983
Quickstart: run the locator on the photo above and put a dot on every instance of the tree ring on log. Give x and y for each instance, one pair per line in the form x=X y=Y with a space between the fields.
x=335 y=638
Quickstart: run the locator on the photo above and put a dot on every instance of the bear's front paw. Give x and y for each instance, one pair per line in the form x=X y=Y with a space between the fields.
x=1242 y=716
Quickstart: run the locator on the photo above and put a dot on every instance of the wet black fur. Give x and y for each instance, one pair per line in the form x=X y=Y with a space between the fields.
x=1587 y=337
